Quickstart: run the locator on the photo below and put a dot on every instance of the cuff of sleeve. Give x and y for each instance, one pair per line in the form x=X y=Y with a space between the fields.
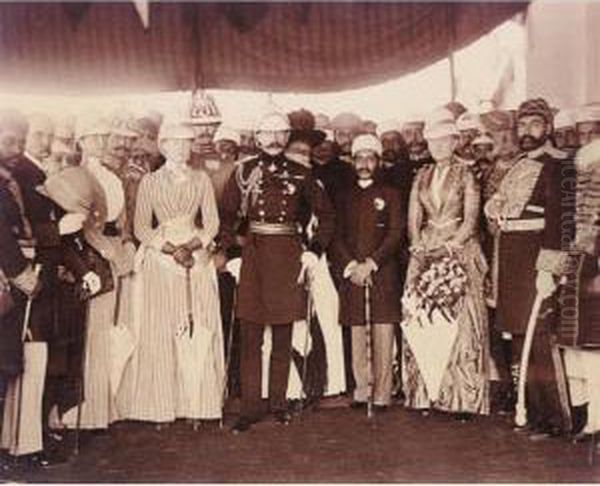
x=349 y=268
x=553 y=261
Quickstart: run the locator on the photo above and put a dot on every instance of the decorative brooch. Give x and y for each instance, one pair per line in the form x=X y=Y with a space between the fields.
x=379 y=203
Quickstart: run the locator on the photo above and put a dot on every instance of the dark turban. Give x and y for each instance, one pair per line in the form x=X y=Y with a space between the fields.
x=536 y=107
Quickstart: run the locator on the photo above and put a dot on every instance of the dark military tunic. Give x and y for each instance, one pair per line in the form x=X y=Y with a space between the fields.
x=12 y=263
x=274 y=195
x=536 y=231
x=371 y=223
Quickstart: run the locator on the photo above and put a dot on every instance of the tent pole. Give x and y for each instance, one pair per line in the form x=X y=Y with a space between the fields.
x=453 y=86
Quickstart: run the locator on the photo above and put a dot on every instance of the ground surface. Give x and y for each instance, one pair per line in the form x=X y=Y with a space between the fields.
x=327 y=446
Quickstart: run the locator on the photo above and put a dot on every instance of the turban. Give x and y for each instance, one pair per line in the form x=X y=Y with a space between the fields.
x=498 y=120
x=91 y=124
x=536 y=107
x=346 y=121
x=469 y=121
x=367 y=142
x=388 y=126
x=588 y=113
x=564 y=119
x=227 y=133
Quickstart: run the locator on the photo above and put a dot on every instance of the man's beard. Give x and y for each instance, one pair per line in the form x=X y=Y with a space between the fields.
x=528 y=143
x=389 y=156
x=417 y=149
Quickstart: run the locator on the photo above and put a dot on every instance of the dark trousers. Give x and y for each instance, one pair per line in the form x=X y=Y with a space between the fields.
x=250 y=368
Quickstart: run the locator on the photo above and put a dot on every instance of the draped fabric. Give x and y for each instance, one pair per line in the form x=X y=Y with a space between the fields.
x=293 y=46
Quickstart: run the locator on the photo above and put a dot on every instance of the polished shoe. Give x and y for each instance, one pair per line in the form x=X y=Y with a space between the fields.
x=283 y=417
x=48 y=460
x=242 y=425
x=358 y=405
x=380 y=408
x=463 y=417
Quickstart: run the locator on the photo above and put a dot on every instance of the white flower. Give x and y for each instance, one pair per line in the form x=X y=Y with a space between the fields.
x=379 y=203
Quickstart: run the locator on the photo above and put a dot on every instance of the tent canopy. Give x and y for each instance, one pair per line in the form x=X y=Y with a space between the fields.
x=310 y=47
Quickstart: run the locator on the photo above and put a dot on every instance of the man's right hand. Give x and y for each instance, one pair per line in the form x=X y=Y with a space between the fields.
x=28 y=282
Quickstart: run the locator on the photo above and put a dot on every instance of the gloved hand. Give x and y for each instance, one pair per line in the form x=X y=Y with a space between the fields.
x=361 y=273
x=71 y=223
x=545 y=285
x=28 y=282
x=309 y=261
x=92 y=283
x=234 y=267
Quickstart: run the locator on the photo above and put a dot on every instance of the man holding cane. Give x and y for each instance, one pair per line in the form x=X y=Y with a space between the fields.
x=271 y=192
x=366 y=253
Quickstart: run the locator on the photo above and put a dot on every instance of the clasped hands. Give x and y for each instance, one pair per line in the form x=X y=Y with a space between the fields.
x=183 y=254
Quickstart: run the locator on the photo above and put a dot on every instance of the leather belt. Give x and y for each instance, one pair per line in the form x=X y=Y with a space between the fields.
x=260 y=228
x=534 y=224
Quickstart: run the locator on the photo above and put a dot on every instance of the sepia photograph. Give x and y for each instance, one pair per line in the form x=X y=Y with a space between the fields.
x=300 y=241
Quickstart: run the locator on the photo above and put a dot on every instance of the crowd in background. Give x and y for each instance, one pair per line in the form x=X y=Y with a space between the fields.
x=124 y=296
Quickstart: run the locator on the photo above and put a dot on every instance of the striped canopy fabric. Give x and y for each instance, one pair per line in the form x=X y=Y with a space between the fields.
x=308 y=47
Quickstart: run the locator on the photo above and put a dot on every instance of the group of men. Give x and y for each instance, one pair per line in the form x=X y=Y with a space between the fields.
x=350 y=176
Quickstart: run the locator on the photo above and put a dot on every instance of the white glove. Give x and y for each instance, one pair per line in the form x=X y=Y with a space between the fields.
x=545 y=285
x=234 y=267
x=91 y=281
x=309 y=263
x=71 y=223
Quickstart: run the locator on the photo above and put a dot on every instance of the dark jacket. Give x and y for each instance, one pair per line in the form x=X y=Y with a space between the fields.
x=371 y=223
x=273 y=191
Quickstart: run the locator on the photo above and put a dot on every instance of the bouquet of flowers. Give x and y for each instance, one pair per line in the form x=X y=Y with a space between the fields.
x=441 y=286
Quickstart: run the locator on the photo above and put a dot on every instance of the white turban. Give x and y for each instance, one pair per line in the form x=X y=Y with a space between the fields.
x=367 y=142
x=227 y=133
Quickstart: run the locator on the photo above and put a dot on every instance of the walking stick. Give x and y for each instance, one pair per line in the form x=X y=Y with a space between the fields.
x=521 y=407
x=225 y=390
x=190 y=319
x=309 y=312
x=24 y=335
x=369 y=335
x=80 y=378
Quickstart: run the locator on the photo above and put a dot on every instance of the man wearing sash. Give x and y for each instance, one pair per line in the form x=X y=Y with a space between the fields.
x=529 y=210
x=271 y=192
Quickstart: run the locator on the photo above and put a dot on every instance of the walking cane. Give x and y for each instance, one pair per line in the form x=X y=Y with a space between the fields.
x=309 y=312
x=24 y=334
x=521 y=407
x=80 y=379
x=225 y=391
x=190 y=319
x=369 y=335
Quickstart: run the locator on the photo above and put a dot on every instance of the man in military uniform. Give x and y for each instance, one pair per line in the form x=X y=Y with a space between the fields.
x=531 y=212
x=271 y=192
x=366 y=249
x=412 y=133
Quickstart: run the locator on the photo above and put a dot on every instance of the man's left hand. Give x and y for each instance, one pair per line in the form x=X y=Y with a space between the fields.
x=545 y=284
